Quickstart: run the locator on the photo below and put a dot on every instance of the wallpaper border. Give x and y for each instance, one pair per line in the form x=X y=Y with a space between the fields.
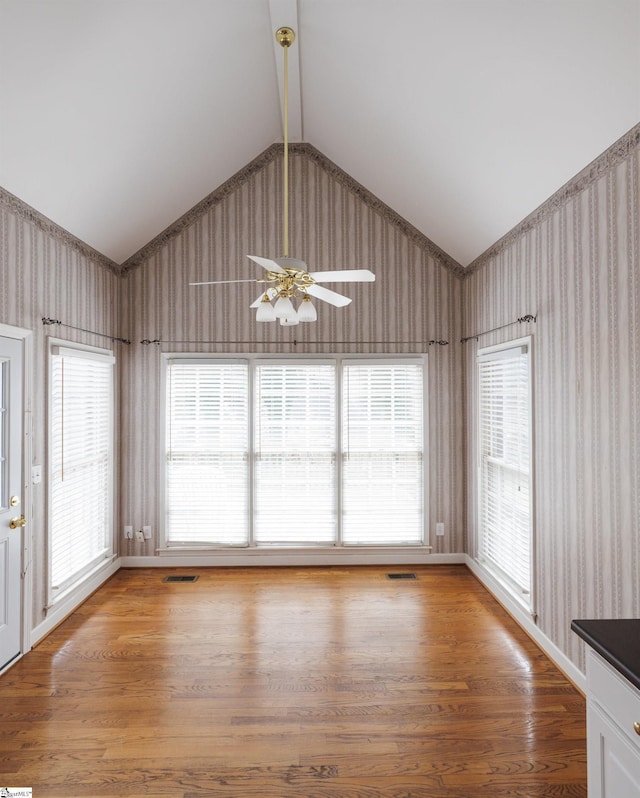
x=24 y=211
x=258 y=163
x=600 y=166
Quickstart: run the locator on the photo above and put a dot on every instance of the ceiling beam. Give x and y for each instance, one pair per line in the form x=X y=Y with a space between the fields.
x=285 y=12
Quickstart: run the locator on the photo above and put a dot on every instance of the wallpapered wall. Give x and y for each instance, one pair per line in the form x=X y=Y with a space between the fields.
x=576 y=263
x=45 y=272
x=335 y=224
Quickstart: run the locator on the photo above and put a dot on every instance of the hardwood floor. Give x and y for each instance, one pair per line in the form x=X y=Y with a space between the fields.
x=278 y=683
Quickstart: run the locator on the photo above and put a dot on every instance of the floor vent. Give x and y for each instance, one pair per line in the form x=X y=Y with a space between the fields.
x=401 y=576
x=180 y=579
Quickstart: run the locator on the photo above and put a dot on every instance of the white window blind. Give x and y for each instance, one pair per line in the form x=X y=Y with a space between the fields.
x=207 y=453
x=505 y=473
x=80 y=464
x=383 y=441
x=252 y=452
x=295 y=445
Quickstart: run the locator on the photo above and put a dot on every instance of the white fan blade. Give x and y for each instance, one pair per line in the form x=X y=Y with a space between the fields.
x=268 y=264
x=328 y=296
x=344 y=276
x=219 y=282
x=271 y=292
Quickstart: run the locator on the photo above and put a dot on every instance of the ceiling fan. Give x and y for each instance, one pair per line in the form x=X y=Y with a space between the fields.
x=287 y=277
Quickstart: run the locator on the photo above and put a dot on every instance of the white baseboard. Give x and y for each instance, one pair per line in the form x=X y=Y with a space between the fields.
x=69 y=603
x=292 y=557
x=524 y=620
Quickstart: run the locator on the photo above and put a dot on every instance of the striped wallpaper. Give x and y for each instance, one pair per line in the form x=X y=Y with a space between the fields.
x=45 y=272
x=575 y=263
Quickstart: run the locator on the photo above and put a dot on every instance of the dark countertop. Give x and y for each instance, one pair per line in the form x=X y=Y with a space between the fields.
x=617 y=641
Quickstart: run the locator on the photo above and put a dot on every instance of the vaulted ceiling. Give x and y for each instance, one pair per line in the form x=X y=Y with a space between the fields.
x=117 y=116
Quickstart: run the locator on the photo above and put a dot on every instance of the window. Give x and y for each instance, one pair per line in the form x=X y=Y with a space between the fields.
x=295 y=446
x=208 y=453
x=382 y=452
x=505 y=527
x=80 y=464
x=294 y=452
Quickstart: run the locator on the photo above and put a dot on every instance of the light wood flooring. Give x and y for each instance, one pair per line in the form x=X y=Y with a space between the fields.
x=292 y=682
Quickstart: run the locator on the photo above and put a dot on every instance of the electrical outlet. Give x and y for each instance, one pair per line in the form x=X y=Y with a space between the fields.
x=128 y=533
x=139 y=535
x=439 y=528
x=146 y=531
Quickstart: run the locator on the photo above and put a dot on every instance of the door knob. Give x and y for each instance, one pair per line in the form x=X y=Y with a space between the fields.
x=15 y=523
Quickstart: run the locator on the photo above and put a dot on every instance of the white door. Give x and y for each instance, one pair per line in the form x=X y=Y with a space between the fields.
x=11 y=510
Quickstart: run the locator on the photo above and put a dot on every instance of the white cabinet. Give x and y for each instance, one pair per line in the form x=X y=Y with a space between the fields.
x=613 y=732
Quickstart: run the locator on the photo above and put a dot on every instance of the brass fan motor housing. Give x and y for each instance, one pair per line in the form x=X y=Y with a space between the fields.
x=293 y=282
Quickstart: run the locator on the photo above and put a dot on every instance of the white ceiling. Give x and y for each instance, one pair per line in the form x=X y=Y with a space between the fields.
x=117 y=116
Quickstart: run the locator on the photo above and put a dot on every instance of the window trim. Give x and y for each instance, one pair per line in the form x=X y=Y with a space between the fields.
x=496 y=352
x=71 y=348
x=165 y=548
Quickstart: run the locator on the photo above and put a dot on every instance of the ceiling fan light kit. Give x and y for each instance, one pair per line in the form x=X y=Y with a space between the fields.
x=287 y=277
